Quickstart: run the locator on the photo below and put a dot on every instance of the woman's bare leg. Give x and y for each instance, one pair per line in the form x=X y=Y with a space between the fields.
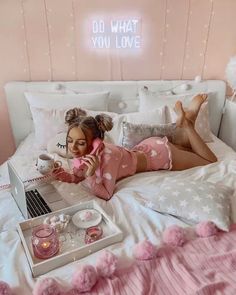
x=180 y=137
x=182 y=160
x=199 y=156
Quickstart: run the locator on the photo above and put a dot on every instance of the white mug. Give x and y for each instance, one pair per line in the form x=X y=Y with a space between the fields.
x=45 y=164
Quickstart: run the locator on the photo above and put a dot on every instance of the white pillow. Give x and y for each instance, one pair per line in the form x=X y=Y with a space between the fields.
x=150 y=100
x=49 y=122
x=157 y=116
x=57 y=145
x=92 y=101
x=202 y=123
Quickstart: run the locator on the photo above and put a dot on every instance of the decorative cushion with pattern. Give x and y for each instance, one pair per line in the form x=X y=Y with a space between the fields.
x=195 y=201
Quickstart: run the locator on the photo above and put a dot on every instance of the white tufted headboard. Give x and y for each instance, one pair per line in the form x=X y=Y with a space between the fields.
x=123 y=98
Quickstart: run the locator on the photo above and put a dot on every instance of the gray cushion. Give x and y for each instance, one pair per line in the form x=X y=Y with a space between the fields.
x=132 y=134
x=195 y=201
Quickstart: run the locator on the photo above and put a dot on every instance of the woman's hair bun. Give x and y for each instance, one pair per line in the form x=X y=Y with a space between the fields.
x=73 y=115
x=104 y=122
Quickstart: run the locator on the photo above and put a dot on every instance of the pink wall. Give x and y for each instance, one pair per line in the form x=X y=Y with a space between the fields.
x=45 y=40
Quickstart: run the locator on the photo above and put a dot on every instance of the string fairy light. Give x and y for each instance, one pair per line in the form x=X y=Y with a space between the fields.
x=121 y=68
x=205 y=41
x=74 y=41
x=109 y=62
x=182 y=86
x=25 y=42
x=109 y=56
x=185 y=54
x=49 y=27
x=164 y=41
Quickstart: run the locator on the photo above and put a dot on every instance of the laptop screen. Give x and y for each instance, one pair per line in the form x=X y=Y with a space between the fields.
x=17 y=189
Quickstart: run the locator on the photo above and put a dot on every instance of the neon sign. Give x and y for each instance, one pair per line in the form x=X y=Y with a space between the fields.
x=119 y=34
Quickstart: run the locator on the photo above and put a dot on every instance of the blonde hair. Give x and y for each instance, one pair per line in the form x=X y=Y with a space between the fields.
x=98 y=125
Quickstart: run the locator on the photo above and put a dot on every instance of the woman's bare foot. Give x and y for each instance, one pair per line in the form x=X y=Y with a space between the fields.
x=182 y=120
x=186 y=119
x=180 y=137
x=192 y=111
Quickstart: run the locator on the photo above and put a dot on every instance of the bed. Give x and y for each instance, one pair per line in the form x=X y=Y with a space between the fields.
x=137 y=221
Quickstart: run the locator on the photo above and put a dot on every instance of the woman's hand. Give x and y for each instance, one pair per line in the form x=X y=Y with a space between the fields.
x=57 y=169
x=92 y=162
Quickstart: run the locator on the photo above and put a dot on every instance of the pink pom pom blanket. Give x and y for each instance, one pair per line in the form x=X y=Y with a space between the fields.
x=202 y=266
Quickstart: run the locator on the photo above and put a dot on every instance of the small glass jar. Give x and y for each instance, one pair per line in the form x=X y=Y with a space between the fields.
x=45 y=241
x=93 y=234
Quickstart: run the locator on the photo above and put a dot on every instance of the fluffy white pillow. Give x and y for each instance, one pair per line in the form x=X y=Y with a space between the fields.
x=92 y=101
x=150 y=100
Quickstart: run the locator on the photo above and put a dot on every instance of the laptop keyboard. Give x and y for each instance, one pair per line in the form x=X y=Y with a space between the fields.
x=36 y=205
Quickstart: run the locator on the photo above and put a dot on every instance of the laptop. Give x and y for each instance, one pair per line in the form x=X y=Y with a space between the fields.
x=38 y=200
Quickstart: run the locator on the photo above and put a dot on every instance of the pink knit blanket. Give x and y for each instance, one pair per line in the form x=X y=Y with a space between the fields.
x=202 y=266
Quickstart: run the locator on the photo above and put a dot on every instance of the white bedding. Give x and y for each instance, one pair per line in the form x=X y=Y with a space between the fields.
x=136 y=221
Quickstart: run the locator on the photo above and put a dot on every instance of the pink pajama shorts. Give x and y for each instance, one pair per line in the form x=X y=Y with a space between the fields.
x=157 y=153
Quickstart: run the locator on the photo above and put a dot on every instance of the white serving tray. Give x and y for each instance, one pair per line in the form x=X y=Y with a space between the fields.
x=73 y=246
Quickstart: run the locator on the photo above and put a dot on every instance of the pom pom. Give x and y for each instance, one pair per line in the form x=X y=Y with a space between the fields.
x=59 y=86
x=106 y=264
x=122 y=105
x=206 y=229
x=184 y=87
x=144 y=250
x=84 y=278
x=174 y=236
x=198 y=79
x=169 y=92
x=5 y=289
x=47 y=286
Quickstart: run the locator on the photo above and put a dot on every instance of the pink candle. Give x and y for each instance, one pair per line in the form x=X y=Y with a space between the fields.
x=45 y=241
x=93 y=234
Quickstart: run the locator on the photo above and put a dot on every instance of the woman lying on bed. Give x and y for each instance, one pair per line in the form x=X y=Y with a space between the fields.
x=101 y=164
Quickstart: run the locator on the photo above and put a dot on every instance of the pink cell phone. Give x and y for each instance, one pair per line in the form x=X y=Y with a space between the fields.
x=97 y=144
x=79 y=163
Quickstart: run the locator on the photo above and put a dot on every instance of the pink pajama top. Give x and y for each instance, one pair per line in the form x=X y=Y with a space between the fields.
x=115 y=163
x=118 y=162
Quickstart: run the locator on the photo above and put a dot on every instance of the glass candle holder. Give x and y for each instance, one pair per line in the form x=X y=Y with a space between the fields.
x=45 y=241
x=93 y=234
